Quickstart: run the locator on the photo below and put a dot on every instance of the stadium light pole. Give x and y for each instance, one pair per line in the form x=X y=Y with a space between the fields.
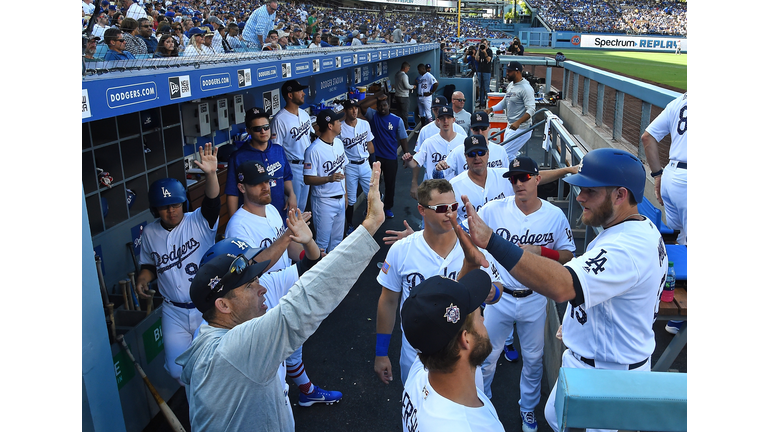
x=458 y=21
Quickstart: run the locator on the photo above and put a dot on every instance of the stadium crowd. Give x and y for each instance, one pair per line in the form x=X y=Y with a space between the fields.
x=630 y=16
x=204 y=27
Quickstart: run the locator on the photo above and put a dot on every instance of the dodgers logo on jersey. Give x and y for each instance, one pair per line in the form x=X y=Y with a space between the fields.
x=452 y=314
x=414 y=279
x=596 y=264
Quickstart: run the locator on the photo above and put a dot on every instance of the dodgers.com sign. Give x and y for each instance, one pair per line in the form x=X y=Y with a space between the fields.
x=215 y=81
x=131 y=94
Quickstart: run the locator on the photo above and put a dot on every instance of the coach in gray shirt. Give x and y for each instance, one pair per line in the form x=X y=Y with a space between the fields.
x=403 y=89
x=463 y=118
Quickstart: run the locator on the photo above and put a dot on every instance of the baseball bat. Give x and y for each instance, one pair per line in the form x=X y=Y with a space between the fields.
x=164 y=408
x=133 y=255
x=111 y=325
x=151 y=301
x=124 y=290
x=102 y=284
x=132 y=277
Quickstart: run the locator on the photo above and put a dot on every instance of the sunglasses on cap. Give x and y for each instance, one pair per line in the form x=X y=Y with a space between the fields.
x=443 y=208
x=237 y=267
x=474 y=153
x=260 y=128
x=520 y=178
x=480 y=128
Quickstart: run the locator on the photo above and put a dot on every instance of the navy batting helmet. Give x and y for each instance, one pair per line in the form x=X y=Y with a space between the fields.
x=611 y=167
x=232 y=246
x=165 y=192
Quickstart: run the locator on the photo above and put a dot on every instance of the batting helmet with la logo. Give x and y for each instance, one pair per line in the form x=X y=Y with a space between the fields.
x=165 y=192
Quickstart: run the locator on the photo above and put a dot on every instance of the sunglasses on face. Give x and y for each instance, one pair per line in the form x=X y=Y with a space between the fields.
x=474 y=153
x=459 y=100
x=169 y=206
x=237 y=267
x=260 y=128
x=478 y=129
x=520 y=178
x=443 y=208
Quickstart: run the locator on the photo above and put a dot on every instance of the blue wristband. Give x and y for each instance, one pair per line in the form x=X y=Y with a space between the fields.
x=505 y=252
x=382 y=344
x=497 y=295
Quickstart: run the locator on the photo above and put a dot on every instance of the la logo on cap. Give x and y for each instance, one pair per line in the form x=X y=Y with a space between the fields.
x=474 y=140
x=260 y=169
x=515 y=163
x=479 y=117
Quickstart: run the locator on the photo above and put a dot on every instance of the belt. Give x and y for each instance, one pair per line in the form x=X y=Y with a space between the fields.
x=337 y=197
x=360 y=162
x=518 y=293
x=296 y=161
x=181 y=305
x=591 y=362
x=682 y=165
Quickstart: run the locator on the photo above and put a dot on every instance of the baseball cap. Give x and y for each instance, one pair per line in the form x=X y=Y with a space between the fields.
x=196 y=30
x=514 y=66
x=215 y=20
x=349 y=103
x=475 y=142
x=439 y=101
x=479 y=118
x=291 y=86
x=444 y=111
x=215 y=279
x=327 y=116
x=255 y=112
x=428 y=66
x=522 y=164
x=252 y=173
x=436 y=309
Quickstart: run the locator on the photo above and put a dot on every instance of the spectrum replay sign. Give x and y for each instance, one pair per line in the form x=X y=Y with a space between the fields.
x=635 y=43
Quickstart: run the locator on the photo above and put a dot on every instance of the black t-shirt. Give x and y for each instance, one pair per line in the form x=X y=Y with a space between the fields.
x=484 y=64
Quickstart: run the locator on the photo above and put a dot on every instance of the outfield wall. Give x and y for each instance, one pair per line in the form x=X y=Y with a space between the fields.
x=613 y=42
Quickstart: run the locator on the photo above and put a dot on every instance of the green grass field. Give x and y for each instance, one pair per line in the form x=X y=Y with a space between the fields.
x=663 y=68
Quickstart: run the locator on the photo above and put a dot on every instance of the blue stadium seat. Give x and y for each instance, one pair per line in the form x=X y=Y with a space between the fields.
x=613 y=399
x=651 y=212
x=678 y=254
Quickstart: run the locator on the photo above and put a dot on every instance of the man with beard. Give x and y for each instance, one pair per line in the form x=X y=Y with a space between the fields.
x=443 y=319
x=272 y=156
x=613 y=289
x=258 y=222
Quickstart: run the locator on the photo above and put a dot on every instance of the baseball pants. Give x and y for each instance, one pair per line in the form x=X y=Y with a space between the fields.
x=530 y=315
x=355 y=175
x=569 y=361
x=299 y=187
x=179 y=326
x=674 y=192
x=328 y=214
x=425 y=108
x=514 y=146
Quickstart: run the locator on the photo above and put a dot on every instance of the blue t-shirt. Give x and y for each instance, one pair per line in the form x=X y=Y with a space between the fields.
x=387 y=130
x=277 y=166
x=114 y=55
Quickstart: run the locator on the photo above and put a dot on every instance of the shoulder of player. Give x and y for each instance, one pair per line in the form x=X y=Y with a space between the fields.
x=460 y=179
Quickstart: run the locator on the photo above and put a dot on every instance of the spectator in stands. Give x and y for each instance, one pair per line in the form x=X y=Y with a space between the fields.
x=89 y=49
x=115 y=40
x=182 y=40
x=133 y=10
x=260 y=23
x=315 y=42
x=397 y=34
x=271 y=42
x=88 y=7
x=133 y=42
x=312 y=22
x=484 y=58
x=167 y=47
x=117 y=20
x=195 y=46
x=207 y=46
x=187 y=24
x=145 y=33
x=356 y=39
x=296 y=39
x=217 y=43
x=101 y=25
x=234 y=38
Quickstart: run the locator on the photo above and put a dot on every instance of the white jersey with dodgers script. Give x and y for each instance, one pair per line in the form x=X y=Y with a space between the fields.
x=424 y=409
x=176 y=254
x=547 y=227
x=673 y=121
x=292 y=132
x=259 y=231
x=621 y=274
x=457 y=160
x=430 y=130
x=409 y=262
x=356 y=139
x=323 y=159
x=436 y=149
x=496 y=187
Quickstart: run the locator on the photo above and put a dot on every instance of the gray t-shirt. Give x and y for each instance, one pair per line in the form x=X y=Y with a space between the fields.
x=463 y=119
